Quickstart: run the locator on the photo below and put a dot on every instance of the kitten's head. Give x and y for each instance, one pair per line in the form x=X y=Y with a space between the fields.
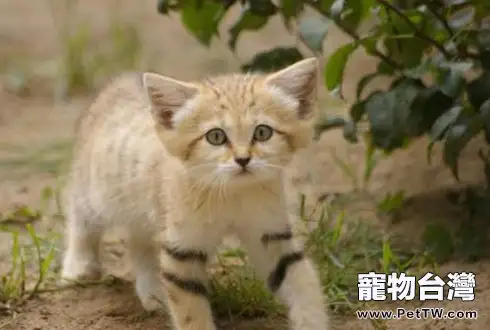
x=236 y=128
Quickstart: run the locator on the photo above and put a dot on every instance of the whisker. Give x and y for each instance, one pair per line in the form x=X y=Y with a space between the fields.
x=222 y=188
x=196 y=167
x=274 y=166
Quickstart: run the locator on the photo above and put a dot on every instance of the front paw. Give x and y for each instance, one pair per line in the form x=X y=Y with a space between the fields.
x=74 y=272
x=149 y=293
x=150 y=304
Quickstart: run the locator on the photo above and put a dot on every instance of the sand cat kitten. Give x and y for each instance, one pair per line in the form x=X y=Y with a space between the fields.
x=182 y=165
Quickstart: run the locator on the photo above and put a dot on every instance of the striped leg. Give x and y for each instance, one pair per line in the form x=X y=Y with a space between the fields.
x=279 y=259
x=185 y=280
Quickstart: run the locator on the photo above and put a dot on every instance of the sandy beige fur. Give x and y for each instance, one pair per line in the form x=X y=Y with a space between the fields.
x=149 y=157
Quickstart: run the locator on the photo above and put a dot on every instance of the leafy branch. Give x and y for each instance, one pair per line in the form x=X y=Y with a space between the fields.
x=447 y=108
x=440 y=18
x=419 y=34
x=315 y=4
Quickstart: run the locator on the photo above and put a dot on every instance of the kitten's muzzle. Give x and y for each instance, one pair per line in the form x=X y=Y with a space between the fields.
x=243 y=161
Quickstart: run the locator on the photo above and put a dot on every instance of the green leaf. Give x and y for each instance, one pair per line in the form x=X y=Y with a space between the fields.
x=202 y=21
x=273 y=60
x=370 y=43
x=451 y=82
x=460 y=66
x=325 y=5
x=367 y=8
x=350 y=13
x=479 y=90
x=429 y=105
x=440 y=127
x=262 y=7
x=418 y=71
x=484 y=111
x=385 y=68
x=462 y=18
x=312 y=32
x=444 y=122
x=485 y=59
x=358 y=110
x=246 y=22
x=392 y=202
x=387 y=256
x=364 y=82
x=408 y=50
x=290 y=9
x=334 y=70
x=457 y=137
x=388 y=113
x=483 y=38
x=47 y=261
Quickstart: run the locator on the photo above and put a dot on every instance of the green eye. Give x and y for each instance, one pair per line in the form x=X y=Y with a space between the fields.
x=263 y=133
x=216 y=137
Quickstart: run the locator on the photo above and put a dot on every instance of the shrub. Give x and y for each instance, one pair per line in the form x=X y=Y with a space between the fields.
x=436 y=52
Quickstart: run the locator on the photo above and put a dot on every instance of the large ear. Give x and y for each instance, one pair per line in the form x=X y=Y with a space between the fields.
x=299 y=81
x=167 y=96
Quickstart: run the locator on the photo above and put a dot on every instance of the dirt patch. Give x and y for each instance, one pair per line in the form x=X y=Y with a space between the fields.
x=30 y=124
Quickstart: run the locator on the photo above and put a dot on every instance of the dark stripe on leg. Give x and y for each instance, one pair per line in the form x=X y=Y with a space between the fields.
x=270 y=237
x=279 y=274
x=191 y=286
x=185 y=254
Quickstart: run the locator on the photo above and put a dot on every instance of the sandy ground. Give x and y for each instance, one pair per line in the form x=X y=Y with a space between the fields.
x=30 y=39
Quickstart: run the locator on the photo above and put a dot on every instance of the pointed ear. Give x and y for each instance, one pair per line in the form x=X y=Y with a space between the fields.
x=167 y=96
x=299 y=81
